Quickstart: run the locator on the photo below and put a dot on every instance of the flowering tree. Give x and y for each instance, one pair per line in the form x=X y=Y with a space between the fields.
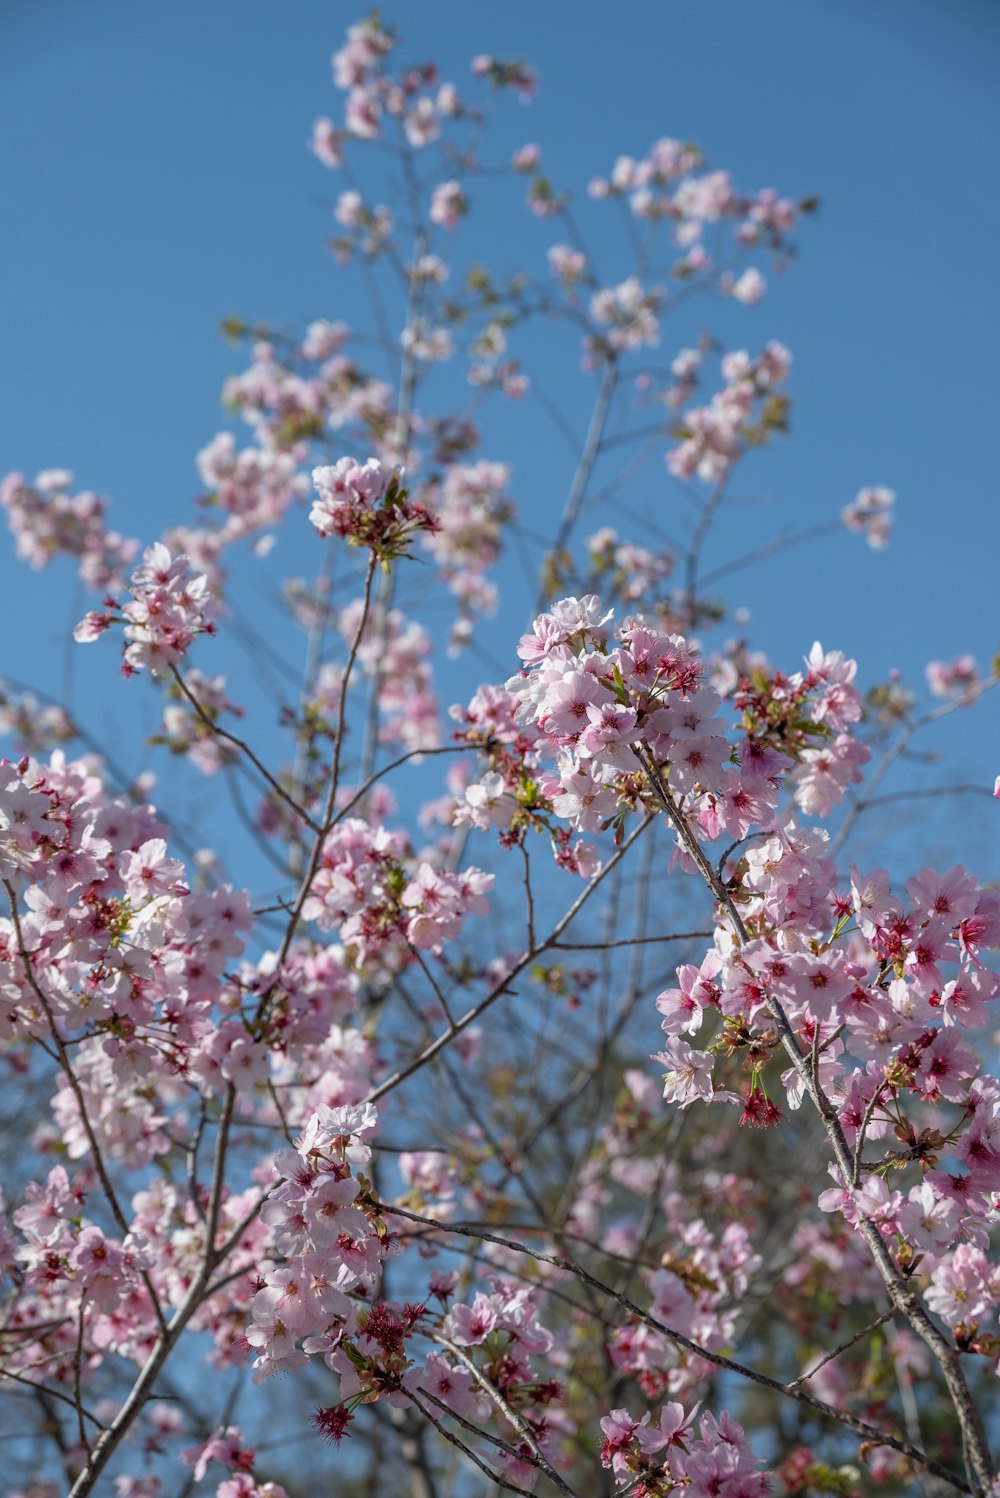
x=430 y=1119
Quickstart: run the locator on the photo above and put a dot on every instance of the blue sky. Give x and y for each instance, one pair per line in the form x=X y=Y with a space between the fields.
x=155 y=179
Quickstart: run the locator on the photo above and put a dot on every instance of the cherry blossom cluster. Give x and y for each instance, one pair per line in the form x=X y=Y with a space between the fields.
x=880 y=990
x=367 y=505
x=417 y=99
x=628 y=312
x=109 y=954
x=61 y=1248
x=668 y=185
x=369 y=227
x=367 y=888
x=482 y=1368
x=747 y=410
x=568 y=264
x=748 y=287
x=285 y=407
x=808 y=714
x=870 y=515
x=69 y=1271
x=699 y=197
x=448 y=204
x=327 y=1245
x=228 y=1447
x=106 y=899
x=32 y=833
x=427 y=343
x=502 y=1326
x=47 y=521
x=956 y=678
x=490 y=368
x=654 y=1460
x=626 y=715
x=509 y=796
x=625 y=570
x=470 y=509
x=314 y=1298
x=251 y=489
x=34 y=726
x=169 y=607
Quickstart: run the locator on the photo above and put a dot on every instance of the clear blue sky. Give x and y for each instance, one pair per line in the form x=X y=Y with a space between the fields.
x=155 y=178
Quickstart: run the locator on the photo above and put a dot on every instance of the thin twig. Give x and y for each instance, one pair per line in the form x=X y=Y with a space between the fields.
x=501 y=1481
x=29 y=1383
x=394 y=765
x=223 y=733
x=630 y=941
x=585 y=466
x=844 y=1346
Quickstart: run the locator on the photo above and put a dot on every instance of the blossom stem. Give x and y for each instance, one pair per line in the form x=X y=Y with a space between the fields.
x=230 y=738
x=585 y=467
